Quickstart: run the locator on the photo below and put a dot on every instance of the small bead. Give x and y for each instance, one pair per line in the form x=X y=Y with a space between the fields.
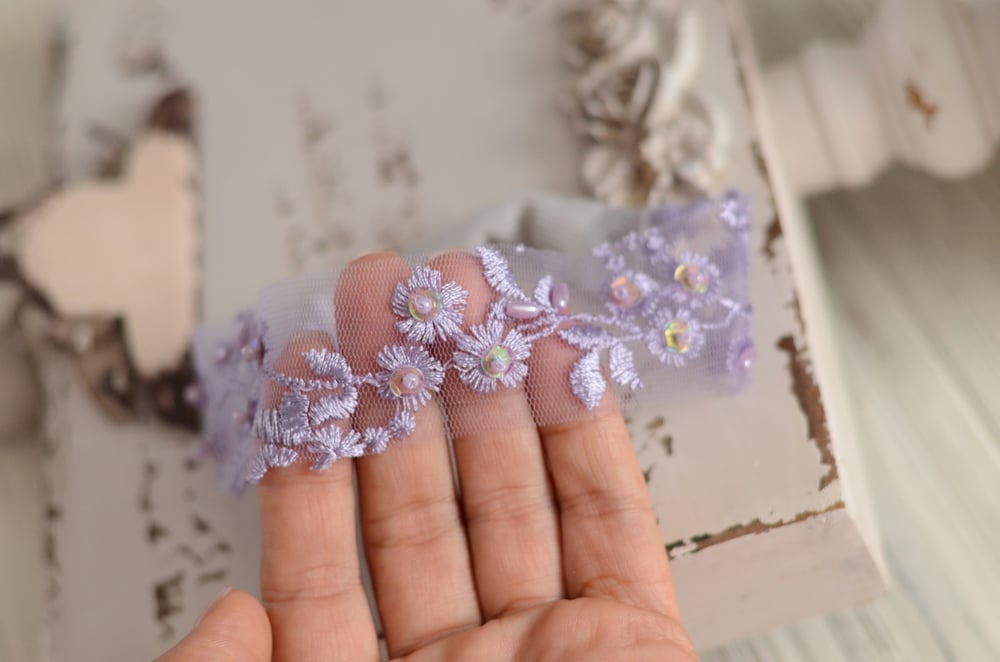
x=676 y=336
x=424 y=304
x=497 y=361
x=559 y=297
x=522 y=310
x=243 y=416
x=222 y=353
x=194 y=395
x=253 y=351
x=746 y=358
x=406 y=380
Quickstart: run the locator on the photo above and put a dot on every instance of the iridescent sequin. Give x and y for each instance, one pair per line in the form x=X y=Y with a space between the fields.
x=677 y=336
x=497 y=361
x=624 y=293
x=692 y=278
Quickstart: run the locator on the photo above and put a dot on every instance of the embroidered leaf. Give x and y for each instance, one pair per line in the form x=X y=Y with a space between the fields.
x=293 y=423
x=325 y=363
x=258 y=467
x=339 y=406
x=543 y=291
x=279 y=456
x=621 y=364
x=498 y=274
x=266 y=425
x=586 y=380
x=332 y=443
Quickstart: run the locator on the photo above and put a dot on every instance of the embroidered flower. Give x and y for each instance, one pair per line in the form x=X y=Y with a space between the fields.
x=332 y=443
x=376 y=440
x=402 y=425
x=409 y=373
x=695 y=280
x=487 y=357
x=430 y=310
x=675 y=336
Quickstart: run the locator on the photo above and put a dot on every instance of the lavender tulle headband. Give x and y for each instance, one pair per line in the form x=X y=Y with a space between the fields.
x=342 y=365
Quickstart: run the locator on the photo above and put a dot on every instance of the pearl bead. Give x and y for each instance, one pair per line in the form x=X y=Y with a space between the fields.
x=497 y=361
x=243 y=416
x=405 y=380
x=424 y=305
x=252 y=352
x=692 y=278
x=222 y=353
x=746 y=357
x=623 y=292
x=522 y=310
x=194 y=395
x=559 y=297
x=676 y=335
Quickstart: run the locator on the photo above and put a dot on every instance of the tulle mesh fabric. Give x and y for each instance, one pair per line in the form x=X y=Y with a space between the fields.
x=390 y=348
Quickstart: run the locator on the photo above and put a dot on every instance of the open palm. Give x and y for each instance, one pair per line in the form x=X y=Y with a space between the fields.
x=546 y=548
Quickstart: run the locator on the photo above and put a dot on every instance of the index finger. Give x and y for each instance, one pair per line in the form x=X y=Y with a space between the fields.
x=310 y=570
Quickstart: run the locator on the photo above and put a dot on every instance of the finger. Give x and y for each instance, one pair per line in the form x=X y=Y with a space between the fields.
x=611 y=544
x=234 y=627
x=412 y=527
x=310 y=570
x=510 y=512
x=583 y=629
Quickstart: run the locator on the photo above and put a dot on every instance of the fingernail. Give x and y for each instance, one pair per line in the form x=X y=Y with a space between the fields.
x=216 y=600
x=372 y=256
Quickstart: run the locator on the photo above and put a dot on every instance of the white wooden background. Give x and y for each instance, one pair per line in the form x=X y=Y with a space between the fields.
x=913 y=265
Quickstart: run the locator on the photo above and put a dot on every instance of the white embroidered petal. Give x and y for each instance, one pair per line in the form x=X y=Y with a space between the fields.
x=258 y=467
x=375 y=440
x=325 y=363
x=267 y=425
x=543 y=291
x=497 y=272
x=292 y=416
x=402 y=425
x=621 y=365
x=279 y=456
x=330 y=407
x=586 y=380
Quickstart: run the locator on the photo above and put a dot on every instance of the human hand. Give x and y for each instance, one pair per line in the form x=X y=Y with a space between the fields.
x=549 y=550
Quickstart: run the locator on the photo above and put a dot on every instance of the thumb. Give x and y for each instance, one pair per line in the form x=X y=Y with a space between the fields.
x=234 y=628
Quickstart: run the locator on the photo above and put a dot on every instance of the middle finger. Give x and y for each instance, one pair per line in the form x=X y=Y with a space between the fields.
x=510 y=511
